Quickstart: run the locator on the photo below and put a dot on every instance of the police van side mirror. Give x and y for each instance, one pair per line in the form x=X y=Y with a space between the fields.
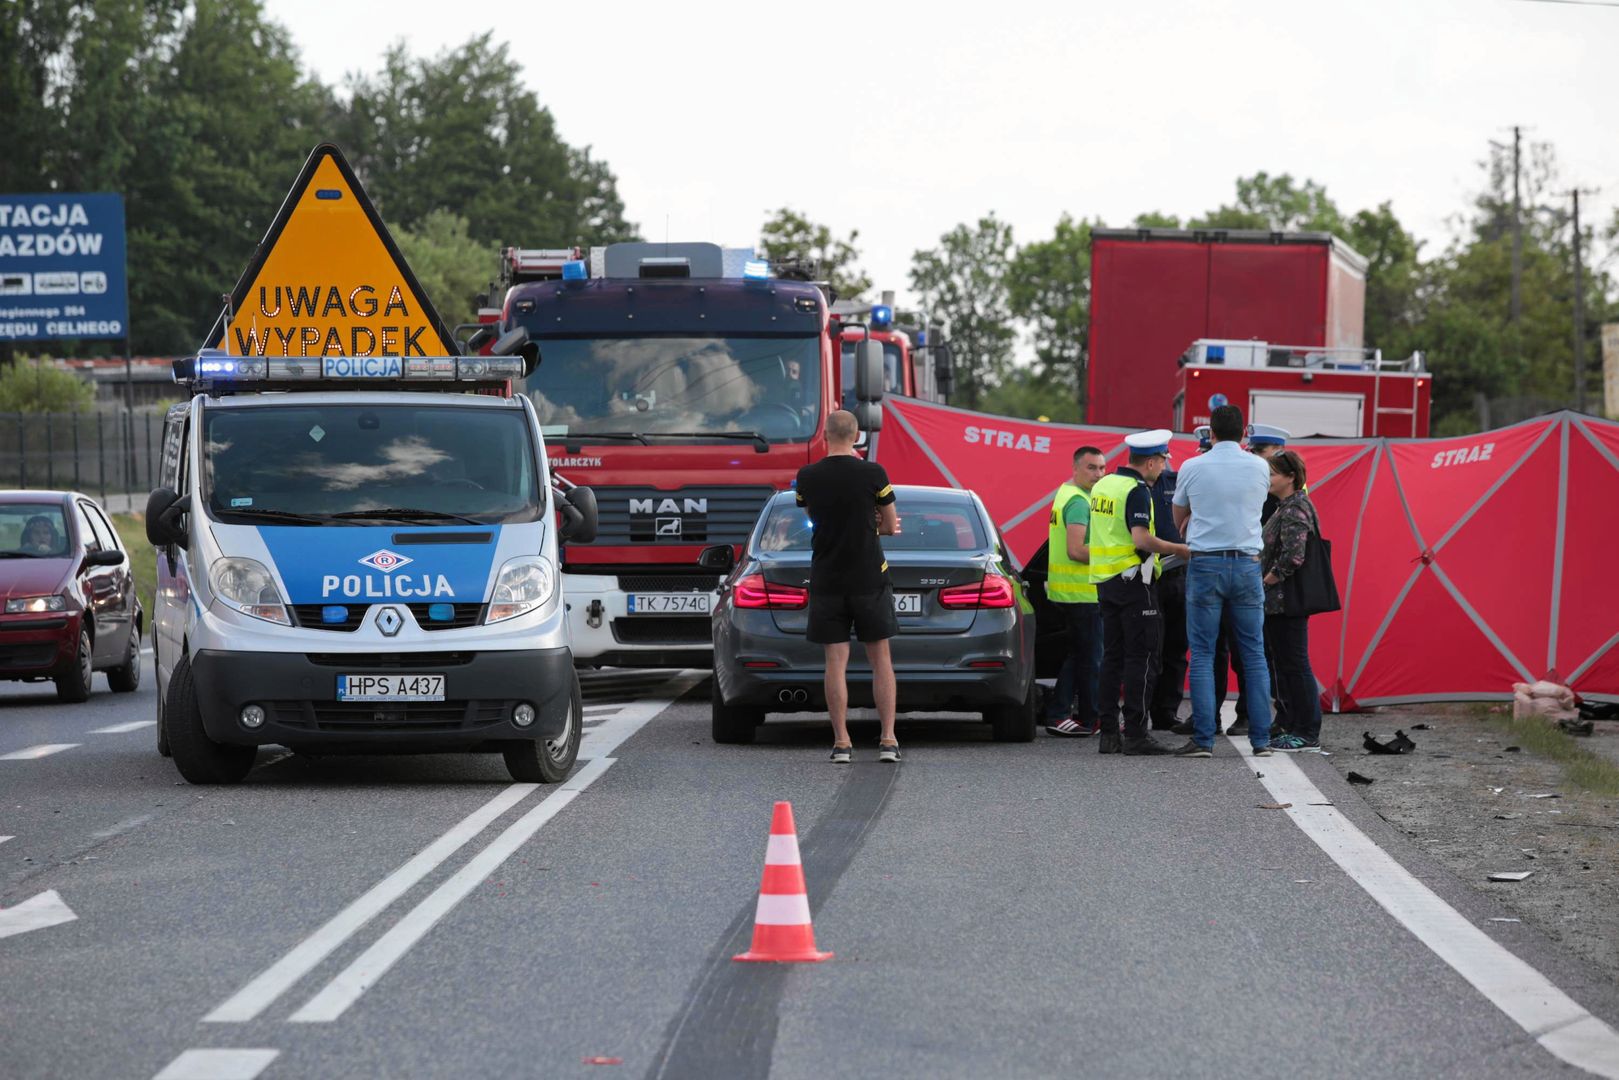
x=868 y=371
x=579 y=518
x=515 y=342
x=163 y=511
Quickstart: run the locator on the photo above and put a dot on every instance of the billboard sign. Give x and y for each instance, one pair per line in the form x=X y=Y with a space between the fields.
x=62 y=267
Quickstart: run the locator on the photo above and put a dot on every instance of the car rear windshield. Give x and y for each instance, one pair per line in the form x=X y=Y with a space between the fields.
x=928 y=522
x=320 y=460
x=32 y=529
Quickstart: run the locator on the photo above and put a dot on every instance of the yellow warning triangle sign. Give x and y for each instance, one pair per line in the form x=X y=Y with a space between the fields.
x=328 y=279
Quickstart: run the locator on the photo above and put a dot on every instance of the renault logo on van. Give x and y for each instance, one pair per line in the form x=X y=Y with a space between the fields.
x=389 y=621
x=386 y=561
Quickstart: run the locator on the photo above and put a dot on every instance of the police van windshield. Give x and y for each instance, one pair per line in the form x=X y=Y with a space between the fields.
x=928 y=522
x=893 y=379
x=434 y=462
x=679 y=385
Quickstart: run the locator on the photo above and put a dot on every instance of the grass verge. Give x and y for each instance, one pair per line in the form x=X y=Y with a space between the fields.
x=142 y=558
x=1581 y=768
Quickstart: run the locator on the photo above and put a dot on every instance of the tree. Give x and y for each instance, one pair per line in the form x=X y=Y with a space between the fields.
x=965 y=280
x=1156 y=219
x=39 y=386
x=452 y=267
x=1049 y=288
x=460 y=132
x=1277 y=203
x=1027 y=393
x=789 y=236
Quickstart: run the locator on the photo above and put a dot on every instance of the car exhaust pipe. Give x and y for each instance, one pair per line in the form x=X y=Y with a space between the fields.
x=800 y=696
x=785 y=697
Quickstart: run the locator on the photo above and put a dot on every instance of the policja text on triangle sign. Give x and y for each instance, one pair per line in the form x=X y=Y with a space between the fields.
x=328 y=280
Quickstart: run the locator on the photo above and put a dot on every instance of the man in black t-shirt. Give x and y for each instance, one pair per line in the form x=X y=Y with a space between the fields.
x=850 y=502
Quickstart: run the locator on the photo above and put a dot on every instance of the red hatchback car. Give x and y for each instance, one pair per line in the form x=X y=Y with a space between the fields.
x=70 y=603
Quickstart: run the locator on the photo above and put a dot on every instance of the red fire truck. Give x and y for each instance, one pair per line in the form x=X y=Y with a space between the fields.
x=911 y=366
x=683 y=383
x=1354 y=393
x=1153 y=291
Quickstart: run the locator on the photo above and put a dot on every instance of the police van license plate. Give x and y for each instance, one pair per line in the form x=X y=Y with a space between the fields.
x=391 y=687
x=908 y=603
x=670 y=603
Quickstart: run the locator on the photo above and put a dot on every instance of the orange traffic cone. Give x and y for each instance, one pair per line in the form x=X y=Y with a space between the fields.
x=781 y=922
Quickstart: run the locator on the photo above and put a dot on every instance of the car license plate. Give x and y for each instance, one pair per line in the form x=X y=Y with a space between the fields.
x=392 y=687
x=670 y=603
x=908 y=603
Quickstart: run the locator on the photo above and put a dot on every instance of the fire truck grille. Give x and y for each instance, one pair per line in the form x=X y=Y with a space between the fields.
x=690 y=515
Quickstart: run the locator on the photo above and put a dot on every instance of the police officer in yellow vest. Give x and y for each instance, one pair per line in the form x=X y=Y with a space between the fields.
x=1072 y=711
x=1123 y=549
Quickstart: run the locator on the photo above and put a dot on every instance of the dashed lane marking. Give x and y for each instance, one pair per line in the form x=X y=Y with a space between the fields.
x=33 y=753
x=1551 y=1017
x=124 y=729
x=218 y=1065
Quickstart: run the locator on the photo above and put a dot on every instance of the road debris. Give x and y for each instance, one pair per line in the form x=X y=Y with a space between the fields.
x=1357 y=778
x=1275 y=805
x=1510 y=875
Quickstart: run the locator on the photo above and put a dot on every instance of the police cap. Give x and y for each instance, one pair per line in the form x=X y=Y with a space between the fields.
x=1266 y=435
x=1148 y=443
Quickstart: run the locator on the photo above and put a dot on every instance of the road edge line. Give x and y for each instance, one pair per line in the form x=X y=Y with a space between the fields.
x=1556 y=1021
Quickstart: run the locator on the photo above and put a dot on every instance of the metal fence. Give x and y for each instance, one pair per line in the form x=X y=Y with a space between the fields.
x=99 y=453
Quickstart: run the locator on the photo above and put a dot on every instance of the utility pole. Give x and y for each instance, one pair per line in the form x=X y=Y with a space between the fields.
x=1517 y=225
x=1579 y=312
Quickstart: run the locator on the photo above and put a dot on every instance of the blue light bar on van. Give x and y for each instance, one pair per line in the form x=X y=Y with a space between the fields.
x=574 y=270
x=219 y=369
x=882 y=316
x=756 y=270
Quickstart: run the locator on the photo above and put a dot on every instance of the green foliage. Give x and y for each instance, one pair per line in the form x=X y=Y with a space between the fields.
x=791 y=237
x=1278 y=203
x=452 y=267
x=1154 y=219
x=1031 y=395
x=1049 y=287
x=39 y=386
x=965 y=279
x=461 y=132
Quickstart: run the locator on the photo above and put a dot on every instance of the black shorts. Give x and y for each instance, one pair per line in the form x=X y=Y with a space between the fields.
x=869 y=615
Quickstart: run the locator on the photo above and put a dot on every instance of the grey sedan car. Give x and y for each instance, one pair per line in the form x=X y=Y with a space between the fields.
x=966 y=627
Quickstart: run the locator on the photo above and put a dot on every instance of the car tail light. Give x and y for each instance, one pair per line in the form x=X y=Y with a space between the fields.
x=994 y=591
x=754 y=591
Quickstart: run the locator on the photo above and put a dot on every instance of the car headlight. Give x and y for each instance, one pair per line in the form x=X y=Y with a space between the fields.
x=17 y=605
x=247 y=586
x=523 y=585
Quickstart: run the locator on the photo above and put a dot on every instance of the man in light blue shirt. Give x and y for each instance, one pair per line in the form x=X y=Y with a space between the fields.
x=1218 y=500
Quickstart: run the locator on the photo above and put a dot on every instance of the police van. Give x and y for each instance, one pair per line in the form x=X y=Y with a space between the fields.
x=359 y=555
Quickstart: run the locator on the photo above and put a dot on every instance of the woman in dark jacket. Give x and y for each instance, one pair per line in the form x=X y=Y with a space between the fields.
x=1288 y=636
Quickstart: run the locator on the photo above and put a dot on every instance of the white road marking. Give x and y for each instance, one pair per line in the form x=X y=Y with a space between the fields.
x=218 y=1065
x=371 y=965
x=124 y=729
x=36 y=913
x=42 y=750
x=252 y=999
x=1555 y=1020
x=3 y=839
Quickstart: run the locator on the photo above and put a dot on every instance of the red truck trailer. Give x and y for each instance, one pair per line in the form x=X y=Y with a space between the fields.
x=1353 y=393
x=1154 y=291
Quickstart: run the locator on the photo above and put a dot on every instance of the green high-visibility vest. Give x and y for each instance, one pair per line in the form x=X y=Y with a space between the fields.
x=1113 y=550
x=1070 y=580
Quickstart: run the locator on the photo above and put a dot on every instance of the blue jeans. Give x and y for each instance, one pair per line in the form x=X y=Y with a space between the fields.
x=1220 y=586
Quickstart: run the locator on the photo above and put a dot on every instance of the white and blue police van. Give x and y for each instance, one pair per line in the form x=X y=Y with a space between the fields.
x=359 y=555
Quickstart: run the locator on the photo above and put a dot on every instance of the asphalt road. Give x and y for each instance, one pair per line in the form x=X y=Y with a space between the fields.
x=996 y=910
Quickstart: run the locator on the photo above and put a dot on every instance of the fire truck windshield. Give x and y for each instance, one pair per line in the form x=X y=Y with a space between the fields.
x=686 y=385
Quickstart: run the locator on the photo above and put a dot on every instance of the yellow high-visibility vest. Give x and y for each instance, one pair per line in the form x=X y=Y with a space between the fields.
x=1113 y=550
x=1070 y=580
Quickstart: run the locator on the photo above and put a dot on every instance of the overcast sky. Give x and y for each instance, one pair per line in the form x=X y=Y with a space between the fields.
x=902 y=120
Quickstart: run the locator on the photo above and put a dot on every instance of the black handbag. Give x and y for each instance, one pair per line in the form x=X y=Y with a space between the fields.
x=1311 y=589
